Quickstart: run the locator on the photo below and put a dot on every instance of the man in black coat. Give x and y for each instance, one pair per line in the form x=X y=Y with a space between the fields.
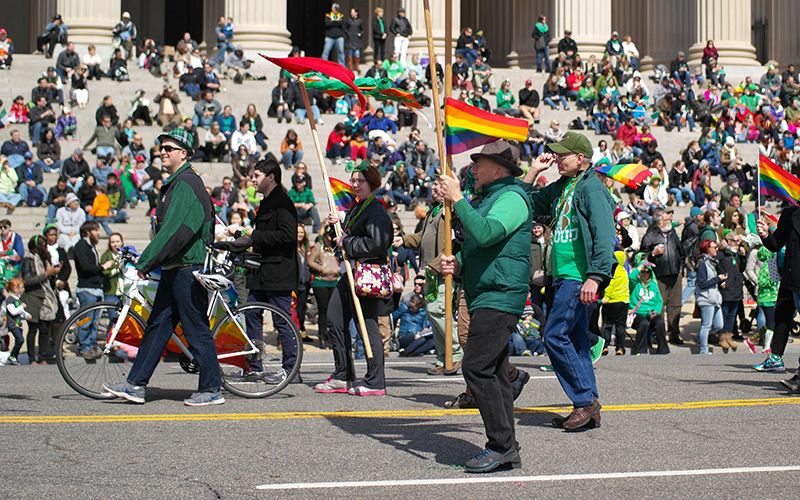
x=567 y=45
x=90 y=285
x=274 y=239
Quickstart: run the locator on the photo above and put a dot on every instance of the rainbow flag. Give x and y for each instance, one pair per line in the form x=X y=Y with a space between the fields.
x=342 y=194
x=468 y=127
x=774 y=181
x=631 y=174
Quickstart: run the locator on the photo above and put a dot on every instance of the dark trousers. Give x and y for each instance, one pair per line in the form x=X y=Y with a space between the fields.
x=729 y=310
x=340 y=312
x=784 y=315
x=45 y=349
x=643 y=325
x=255 y=326
x=615 y=315
x=179 y=298
x=416 y=347
x=671 y=290
x=302 y=307
x=380 y=49
x=323 y=295
x=485 y=367
x=18 y=340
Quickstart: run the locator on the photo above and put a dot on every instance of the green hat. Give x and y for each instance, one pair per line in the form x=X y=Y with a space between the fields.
x=572 y=142
x=180 y=136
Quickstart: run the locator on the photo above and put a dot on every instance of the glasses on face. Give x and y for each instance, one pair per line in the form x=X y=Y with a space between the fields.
x=168 y=149
x=419 y=284
x=356 y=180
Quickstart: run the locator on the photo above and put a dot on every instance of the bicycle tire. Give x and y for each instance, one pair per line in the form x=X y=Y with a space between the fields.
x=232 y=375
x=84 y=377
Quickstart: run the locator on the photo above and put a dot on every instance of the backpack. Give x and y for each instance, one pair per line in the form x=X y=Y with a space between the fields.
x=576 y=124
x=35 y=198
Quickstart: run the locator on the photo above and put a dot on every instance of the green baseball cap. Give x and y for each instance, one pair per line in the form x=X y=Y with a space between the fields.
x=572 y=142
x=180 y=136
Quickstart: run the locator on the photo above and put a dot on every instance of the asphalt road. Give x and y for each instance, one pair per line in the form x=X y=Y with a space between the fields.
x=673 y=426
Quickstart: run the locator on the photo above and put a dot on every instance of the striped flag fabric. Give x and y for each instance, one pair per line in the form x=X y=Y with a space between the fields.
x=630 y=174
x=773 y=180
x=342 y=194
x=467 y=127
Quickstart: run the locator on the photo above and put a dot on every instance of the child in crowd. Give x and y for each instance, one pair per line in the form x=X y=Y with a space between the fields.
x=15 y=313
x=526 y=340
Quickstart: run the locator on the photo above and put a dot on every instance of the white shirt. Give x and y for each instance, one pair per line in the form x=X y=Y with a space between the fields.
x=90 y=60
x=629 y=49
x=248 y=139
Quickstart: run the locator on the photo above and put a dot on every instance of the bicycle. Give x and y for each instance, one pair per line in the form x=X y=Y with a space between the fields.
x=120 y=327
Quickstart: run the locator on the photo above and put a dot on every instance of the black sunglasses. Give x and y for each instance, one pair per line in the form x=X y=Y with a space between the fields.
x=169 y=149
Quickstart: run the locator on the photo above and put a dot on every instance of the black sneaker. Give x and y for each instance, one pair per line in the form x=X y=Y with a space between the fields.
x=793 y=384
x=488 y=460
x=519 y=383
x=463 y=400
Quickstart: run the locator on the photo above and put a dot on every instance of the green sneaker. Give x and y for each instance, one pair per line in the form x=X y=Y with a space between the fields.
x=773 y=363
x=597 y=349
x=546 y=368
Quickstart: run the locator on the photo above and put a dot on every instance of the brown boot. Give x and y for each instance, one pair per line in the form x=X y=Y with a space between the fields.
x=723 y=341
x=350 y=63
x=356 y=64
x=732 y=343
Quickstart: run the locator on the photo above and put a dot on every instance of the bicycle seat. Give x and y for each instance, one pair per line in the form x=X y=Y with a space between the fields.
x=213 y=282
x=238 y=245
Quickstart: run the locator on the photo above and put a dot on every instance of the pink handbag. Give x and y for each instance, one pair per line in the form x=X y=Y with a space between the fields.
x=373 y=280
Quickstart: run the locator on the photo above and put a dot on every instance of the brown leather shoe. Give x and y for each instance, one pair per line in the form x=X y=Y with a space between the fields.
x=454 y=371
x=594 y=423
x=581 y=416
x=436 y=370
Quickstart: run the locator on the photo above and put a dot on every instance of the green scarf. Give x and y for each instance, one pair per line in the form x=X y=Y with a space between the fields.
x=542 y=27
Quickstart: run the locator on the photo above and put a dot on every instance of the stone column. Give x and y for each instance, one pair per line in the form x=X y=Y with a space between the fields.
x=418 y=44
x=728 y=23
x=669 y=28
x=590 y=22
x=90 y=22
x=523 y=16
x=260 y=26
x=783 y=41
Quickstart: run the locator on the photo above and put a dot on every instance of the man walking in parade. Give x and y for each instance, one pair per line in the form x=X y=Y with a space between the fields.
x=185 y=223
x=582 y=265
x=494 y=266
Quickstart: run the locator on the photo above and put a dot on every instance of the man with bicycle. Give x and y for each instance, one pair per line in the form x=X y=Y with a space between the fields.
x=184 y=226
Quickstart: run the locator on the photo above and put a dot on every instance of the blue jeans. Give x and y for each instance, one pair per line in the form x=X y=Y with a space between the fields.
x=87 y=333
x=415 y=347
x=566 y=338
x=255 y=321
x=543 y=54
x=329 y=43
x=179 y=298
x=516 y=345
x=561 y=99
x=51 y=213
x=469 y=54
x=729 y=310
x=103 y=151
x=301 y=113
x=292 y=157
x=689 y=121
x=313 y=214
x=710 y=319
x=682 y=193
x=688 y=291
x=203 y=121
x=55 y=167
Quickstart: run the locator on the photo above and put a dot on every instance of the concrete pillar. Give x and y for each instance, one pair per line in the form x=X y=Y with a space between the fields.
x=523 y=15
x=90 y=22
x=629 y=18
x=728 y=23
x=260 y=26
x=669 y=28
x=783 y=44
x=590 y=22
x=418 y=44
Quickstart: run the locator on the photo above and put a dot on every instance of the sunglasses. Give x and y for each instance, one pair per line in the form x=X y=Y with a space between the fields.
x=169 y=149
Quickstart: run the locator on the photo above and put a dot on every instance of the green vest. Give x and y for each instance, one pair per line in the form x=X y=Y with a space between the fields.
x=498 y=277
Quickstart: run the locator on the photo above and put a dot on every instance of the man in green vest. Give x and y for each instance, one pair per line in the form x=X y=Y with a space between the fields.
x=582 y=261
x=494 y=266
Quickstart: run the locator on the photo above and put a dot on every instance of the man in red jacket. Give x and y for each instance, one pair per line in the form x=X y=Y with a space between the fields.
x=627 y=132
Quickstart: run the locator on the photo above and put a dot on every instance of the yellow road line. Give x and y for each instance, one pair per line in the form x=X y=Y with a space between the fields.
x=296 y=415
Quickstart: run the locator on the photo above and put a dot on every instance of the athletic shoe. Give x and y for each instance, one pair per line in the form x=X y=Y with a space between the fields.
x=526 y=352
x=362 y=390
x=519 y=384
x=205 y=399
x=332 y=386
x=597 y=349
x=546 y=368
x=436 y=370
x=488 y=460
x=793 y=384
x=773 y=363
x=750 y=345
x=275 y=378
x=133 y=393
x=12 y=361
x=463 y=400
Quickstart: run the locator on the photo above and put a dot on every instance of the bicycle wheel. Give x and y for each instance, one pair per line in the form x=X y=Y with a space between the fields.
x=88 y=376
x=237 y=371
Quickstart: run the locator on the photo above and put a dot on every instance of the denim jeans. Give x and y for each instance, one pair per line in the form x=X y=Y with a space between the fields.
x=313 y=214
x=16 y=332
x=681 y=194
x=87 y=333
x=516 y=344
x=103 y=151
x=691 y=281
x=24 y=189
x=292 y=157
x=710 y=319
x=543 y=54
x=329 y=43
x=55 y=167
x=566 y=338
x=179 y=298
x=469 y=54
x=254 y=320
x=729 y=310
x=301 y=113
x=561 y=99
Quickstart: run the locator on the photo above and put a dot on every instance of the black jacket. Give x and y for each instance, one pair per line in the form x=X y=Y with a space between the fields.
x=529 y=97
x=72 y=168
x=732 y=264
x=401 y=26
x=670 y=262
x=368 y=237
x=353 y=33
x=567 y=44
x=679 y=179
x=36 y=171
x=377 y=33
x=787 y=235
x=87 y=266
x=275 y=242
x=334 y=28
x=111 y=111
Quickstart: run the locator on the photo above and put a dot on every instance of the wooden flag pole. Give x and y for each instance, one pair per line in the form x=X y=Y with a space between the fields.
x=332 y=207
x=437 y=113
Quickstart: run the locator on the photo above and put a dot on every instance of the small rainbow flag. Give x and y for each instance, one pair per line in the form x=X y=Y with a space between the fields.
x=342 y=194
x=777 y=182
x=468 y=127
x=631 y=174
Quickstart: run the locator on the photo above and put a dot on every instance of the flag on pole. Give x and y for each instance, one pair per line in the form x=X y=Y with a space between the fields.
x=775 y=181
x=631 y=174
x=342 y=194
x=468 y=127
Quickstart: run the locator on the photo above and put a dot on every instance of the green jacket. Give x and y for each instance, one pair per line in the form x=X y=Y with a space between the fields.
x=595 y=216
x=652 y=301
x=184 y=223
x=767 y=282
x=495 y=259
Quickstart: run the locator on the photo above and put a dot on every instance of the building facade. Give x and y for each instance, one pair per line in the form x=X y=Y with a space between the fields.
x=746 y=32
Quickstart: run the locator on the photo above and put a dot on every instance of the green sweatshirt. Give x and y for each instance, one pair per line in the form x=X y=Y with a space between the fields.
x=648 y=294
x=184 y=223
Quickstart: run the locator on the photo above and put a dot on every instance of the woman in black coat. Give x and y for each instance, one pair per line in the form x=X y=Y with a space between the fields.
x=353 y=40
x=366 y=239
x=40 y=296
x=379 y=34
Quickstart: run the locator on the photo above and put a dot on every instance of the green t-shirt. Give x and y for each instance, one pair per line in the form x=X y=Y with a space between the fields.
x=569 y=252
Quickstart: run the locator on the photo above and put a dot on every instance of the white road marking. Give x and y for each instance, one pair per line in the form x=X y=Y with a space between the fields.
x=526 y=479
x=454 y=379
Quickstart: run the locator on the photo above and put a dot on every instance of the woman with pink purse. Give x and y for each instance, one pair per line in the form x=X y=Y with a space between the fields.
x=365 y=240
